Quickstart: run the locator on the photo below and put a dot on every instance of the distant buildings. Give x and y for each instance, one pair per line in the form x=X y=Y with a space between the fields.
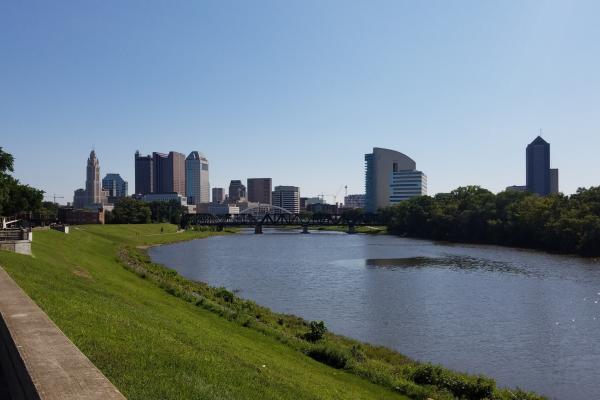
x=516 y=188
x=197 y=187
x=144 y=174
x=390 y=177
x=223 y=209
x=540 y=178
x=218 y=195
x=169 y=172
x=259 y=190
x=354 y=201
x=173 y=173
x=287 y=197
x=167 y=197
x=92 y=196
x=554 y=180
x=237 y=191
x=115 y=187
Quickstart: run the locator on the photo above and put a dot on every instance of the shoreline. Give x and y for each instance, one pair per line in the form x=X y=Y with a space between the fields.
x=348 y=343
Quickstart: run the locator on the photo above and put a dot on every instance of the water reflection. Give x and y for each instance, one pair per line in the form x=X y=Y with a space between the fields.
x=447 y=261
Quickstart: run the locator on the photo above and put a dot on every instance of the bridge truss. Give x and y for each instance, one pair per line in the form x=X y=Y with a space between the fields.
x=271 y=219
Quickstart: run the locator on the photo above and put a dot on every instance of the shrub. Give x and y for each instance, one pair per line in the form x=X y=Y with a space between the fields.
x=330 y=355
x=317 y=330
x=225 y=294
x=461 y=385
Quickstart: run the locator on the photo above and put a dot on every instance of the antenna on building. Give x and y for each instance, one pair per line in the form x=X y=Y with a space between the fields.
x=541 y=132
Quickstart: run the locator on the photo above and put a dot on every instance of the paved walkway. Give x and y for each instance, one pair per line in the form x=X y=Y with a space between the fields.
x=44 y=359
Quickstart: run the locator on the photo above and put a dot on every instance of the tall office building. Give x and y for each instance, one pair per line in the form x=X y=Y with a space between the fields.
x=407 y=184
x=218 y=195
x=144 y=174
x=115 y=186
x=380 y=167
x=197 y=187
x=540 y=178
x=287 y=197
x=237 y=191
x=538 y=167
x=169 y=172
x=259 y=190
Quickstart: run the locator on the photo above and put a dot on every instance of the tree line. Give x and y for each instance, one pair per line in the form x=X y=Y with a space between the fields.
x=568 y=224
x=132 y=211
x=15 y=197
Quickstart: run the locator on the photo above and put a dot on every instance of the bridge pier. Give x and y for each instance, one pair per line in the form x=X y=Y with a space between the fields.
x=351 y=228
x=258 y=229
x=305 y=229
x=219 y=228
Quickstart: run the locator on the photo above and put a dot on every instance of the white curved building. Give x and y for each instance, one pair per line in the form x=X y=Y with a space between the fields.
x=390 y=177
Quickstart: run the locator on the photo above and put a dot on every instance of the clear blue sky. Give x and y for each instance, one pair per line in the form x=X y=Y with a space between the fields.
x=300 y=90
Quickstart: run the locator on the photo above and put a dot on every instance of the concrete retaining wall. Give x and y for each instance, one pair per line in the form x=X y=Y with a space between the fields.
x=17 y=246
x=39 y=361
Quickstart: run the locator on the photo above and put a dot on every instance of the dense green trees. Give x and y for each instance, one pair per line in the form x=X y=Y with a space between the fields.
x=14 y=196
x=129 y=211
x=132 y=211
x=473 y=214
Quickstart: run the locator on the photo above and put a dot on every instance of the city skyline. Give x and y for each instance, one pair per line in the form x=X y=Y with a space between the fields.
x=344 y=77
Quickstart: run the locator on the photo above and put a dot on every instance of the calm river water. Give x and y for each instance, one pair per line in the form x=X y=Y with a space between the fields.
x=527 y=319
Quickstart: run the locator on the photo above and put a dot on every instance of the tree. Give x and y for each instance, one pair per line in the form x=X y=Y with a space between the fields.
x=130 y=211
x=15 y=197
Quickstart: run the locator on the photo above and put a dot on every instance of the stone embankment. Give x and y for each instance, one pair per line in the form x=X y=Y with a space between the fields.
x=37 y=359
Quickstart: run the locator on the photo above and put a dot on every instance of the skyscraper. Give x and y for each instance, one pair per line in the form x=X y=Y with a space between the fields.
x=218 y=195
x=407 y=184
x=538 y=167
x=93 y=187
x=169 y=172
x=92 y=195
x=144 y=174
x=287 y=197
x=197 y=187
x=259 y=190
x=385 y=174
x=237 y=191
x=115 y=186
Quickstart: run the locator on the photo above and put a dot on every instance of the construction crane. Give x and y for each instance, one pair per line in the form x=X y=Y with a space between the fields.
x=334 y=195
x=54 y=197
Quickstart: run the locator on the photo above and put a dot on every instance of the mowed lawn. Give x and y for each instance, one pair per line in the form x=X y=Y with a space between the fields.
x=152 y=345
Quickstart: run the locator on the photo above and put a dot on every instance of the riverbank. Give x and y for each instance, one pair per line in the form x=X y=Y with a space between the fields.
x=179 y=339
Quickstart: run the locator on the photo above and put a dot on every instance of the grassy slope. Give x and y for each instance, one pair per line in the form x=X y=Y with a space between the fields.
x=153 y=345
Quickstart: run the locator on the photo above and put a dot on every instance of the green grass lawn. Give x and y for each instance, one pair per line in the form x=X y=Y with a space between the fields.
x=153 y=345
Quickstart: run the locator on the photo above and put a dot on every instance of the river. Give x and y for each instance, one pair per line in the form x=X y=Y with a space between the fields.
x=525 y=318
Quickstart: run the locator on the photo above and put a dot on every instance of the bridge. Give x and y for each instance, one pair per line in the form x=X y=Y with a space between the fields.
x=276 y=216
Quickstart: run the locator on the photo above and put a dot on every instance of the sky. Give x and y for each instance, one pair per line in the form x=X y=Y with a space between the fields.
x=300 y=90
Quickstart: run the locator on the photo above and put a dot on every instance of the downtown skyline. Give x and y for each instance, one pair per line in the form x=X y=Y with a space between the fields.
x=462 y=96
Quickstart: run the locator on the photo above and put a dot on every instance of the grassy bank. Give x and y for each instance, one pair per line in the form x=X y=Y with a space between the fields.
x=157 y=335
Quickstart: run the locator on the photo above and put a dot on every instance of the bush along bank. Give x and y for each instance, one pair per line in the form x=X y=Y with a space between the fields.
x=377 y=364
